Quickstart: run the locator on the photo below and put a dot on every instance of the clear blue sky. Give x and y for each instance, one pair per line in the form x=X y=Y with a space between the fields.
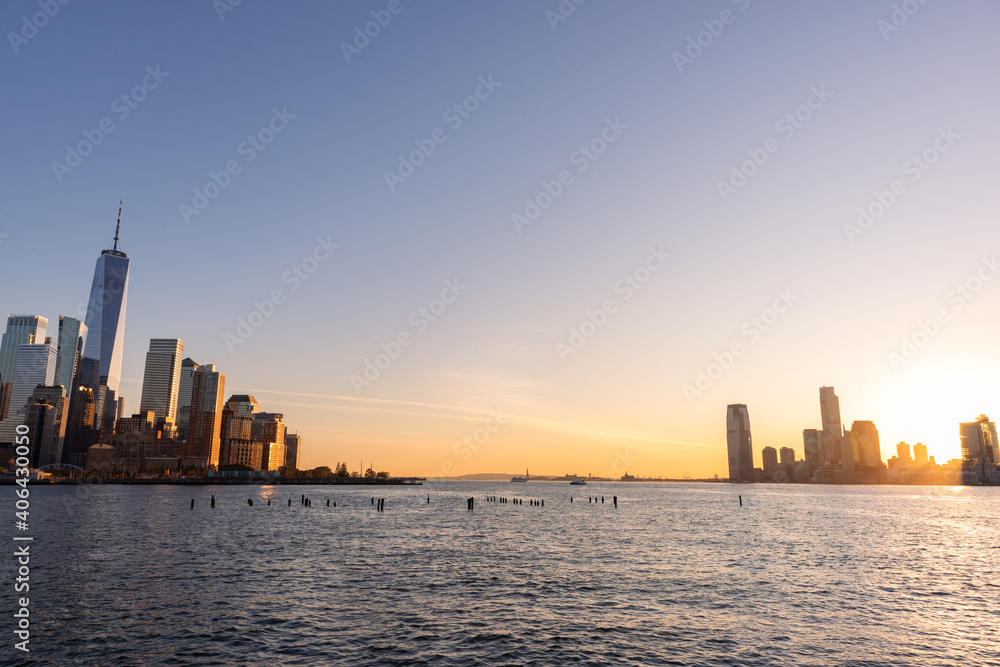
x=887 y=95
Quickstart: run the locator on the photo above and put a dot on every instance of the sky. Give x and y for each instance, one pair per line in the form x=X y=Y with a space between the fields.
x=490 y=237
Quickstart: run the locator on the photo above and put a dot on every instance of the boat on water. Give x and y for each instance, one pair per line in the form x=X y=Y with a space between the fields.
x=518 y=478
x=579 y=482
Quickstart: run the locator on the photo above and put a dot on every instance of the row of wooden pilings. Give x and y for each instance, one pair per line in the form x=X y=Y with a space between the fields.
x=379 y=503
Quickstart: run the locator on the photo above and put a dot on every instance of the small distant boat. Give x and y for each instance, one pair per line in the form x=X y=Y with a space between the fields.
x=579 y=482
x=518 y=478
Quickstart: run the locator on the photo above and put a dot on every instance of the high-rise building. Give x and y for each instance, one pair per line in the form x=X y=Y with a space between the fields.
x=920 y=453
x=106 y=327
x=208 y=387
x=21 y=329
x=864 y=437
x=239 y=447
x=80 y=431
x=787 y=455
x=903 y=452
x=738 y=443
x=293 y=450
x=161 y=381
x=980 y=445
x=46 y=414
x=269 y=430
x=72 y=343
x=36 y=365
x=769 y=457
x=833 y=433
x=812 y=442
x=188 y=367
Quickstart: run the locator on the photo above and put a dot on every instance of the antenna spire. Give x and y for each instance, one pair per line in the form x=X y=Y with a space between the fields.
x=118 y=224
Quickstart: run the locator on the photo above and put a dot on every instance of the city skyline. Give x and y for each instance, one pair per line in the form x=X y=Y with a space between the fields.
x=582 y=254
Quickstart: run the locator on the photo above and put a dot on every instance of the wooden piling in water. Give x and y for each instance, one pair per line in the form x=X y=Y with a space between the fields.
x=192 y=503
x=327 y=502
x=289 y=502
x=249 y=502
x=268 y=502
x=741 y=501
x=616 y=502
x=213 y=501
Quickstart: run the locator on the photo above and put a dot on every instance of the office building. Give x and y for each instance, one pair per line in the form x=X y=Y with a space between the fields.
x=46 y=413
x=205 y=424
x=812 y=442
x=188 y=367
x=833 y=434
x=105 y=322
x=21 y=329
x=293 y=450
x=72 y=343
x=738 y=443
x=920 y=454
x=787 y=455
x=36 y=365
x=161 y=381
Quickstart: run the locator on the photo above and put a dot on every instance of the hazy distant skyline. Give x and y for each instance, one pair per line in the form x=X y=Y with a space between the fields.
x=624 y=136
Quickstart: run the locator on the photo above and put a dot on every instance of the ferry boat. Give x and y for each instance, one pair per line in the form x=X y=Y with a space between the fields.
x=518 y=478
x=579 y=482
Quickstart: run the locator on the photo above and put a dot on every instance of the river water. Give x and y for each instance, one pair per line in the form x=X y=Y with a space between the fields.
x=678 y=574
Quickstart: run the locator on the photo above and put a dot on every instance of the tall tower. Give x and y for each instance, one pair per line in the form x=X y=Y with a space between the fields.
x=205 y=423
x=188 y=367
x=813 y=445
x=738 y=443
x=106 y=324
x=36 y=365
x=72 y=342
x=161 y=380
x=833 y=434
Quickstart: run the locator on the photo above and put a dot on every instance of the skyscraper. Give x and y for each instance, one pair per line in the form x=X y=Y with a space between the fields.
x=293 y=450
x=787 y=455
x=738 y=443
x=20 y=329
x=813 y=445
x=833 y=433
x=204 y=427
x=47 y=411
x=188 y=367
x=920 y=453
x=161 y=380
x=72 y=342
x=864 y=437
x=36 y=365
x=106 y=327
x=980 y=445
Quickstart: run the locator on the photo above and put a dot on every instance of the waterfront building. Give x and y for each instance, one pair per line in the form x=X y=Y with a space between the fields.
x=204 y=428
x=787 y=455
x=161 y=381
x=738 y=443
x=920 y=454
x=980 y=450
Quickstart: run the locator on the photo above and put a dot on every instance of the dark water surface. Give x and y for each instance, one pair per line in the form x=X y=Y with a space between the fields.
x=679 y=574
